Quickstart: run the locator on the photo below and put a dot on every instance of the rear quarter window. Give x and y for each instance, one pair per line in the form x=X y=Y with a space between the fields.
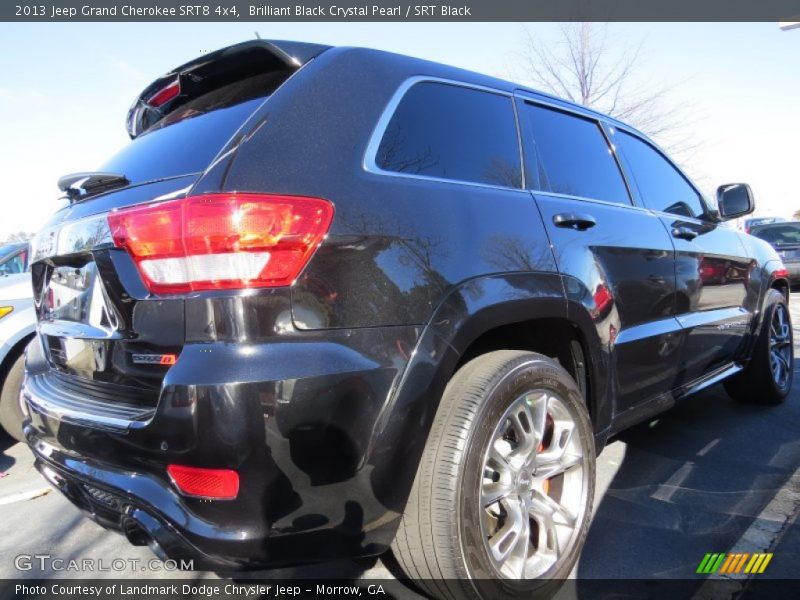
x=455 y=133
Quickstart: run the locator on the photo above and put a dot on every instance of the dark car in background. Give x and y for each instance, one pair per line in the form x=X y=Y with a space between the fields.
x=757 y=221
x=331 y=301
x=785 y=238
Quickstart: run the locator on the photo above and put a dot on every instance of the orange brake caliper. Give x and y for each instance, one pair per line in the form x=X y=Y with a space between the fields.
x=546 y=482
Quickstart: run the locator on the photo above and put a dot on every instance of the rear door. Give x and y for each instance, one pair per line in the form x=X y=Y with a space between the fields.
x=712 y=269
x=616 y=259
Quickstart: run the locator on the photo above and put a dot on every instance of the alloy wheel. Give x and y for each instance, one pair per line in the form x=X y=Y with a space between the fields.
x=534 y=490
x=781 y=353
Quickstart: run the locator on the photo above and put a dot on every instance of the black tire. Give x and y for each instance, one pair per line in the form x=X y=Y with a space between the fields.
x=440 y=543
x=757 y=384
x=11 y=415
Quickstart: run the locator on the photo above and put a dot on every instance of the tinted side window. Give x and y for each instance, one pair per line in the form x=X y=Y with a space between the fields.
x=662 y=187
x=14 y=264
x=450 y=132
x=571 y=156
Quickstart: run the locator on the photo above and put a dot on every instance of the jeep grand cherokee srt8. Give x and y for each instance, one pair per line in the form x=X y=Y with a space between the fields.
x=331 y=301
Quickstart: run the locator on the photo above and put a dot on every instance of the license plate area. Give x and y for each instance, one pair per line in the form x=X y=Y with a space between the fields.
x=75 y=294
x=77 y=321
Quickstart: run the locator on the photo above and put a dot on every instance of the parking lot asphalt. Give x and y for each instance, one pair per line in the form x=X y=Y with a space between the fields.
x=710 y=475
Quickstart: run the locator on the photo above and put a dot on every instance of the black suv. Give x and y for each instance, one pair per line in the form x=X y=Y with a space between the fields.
x=331 y=301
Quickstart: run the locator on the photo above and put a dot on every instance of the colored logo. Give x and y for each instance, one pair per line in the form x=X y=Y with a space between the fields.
x=734 y=564
x=154 y=359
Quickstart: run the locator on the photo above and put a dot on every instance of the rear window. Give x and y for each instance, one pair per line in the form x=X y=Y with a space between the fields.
x=451 y=132
x=779 y=235
x=762 y=221
x=187 y=139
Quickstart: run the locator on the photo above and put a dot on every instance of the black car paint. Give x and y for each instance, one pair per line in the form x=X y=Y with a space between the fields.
x=321 y=395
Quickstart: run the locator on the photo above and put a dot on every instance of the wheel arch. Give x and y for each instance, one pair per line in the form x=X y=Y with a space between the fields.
x=782 y=285
x=17 y=348
x=776 y=278
x=473 y=319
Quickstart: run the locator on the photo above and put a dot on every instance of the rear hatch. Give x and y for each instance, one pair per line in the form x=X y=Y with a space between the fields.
x=789 y=252
x=106 y=340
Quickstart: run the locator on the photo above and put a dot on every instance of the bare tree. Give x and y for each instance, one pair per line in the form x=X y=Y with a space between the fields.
x=587 y=66
x=14 y=238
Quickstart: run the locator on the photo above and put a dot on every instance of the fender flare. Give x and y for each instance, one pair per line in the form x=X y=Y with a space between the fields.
x=471 y=309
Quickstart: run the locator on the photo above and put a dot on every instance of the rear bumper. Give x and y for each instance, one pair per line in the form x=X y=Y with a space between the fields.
x=317 y=478
x=118 y=501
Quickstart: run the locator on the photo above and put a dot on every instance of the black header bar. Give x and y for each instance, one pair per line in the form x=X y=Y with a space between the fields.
x=397 y=10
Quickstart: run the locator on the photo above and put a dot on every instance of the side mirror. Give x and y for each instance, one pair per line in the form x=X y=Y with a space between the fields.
x=735 y=200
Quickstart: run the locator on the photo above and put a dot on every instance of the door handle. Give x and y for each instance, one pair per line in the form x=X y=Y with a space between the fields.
x=577 y=221
x=684 y=233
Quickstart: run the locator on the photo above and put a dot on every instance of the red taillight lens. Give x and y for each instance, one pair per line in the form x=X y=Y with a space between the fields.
x=602 y=298
x=222 y=241
x=165 y=94
x=220 y=484
x=780 y=273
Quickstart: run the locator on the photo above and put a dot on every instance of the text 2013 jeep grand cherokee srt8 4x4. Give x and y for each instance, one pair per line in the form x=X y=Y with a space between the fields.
x=330 y=301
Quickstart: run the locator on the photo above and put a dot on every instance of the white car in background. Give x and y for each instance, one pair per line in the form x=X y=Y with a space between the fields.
x=17 y=327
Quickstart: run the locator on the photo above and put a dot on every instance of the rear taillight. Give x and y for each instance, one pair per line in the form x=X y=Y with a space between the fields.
x=218 y=484
x=165 y=94
x=222 y=241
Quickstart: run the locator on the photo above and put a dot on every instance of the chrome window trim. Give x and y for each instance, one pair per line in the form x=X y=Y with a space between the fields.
x=371 y=153
x=608 y=131
x=568 y=108
x=592 y=200
x=520 y=147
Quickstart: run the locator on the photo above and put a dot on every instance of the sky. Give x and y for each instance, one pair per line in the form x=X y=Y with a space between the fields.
x=65 y=89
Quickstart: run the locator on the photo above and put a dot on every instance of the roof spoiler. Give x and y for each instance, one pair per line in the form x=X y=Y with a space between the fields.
x=212 y=71
x=77 y=185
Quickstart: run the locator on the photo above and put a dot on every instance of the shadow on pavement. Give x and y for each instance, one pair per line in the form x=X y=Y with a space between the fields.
x=691 y=481
x=6 y=441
